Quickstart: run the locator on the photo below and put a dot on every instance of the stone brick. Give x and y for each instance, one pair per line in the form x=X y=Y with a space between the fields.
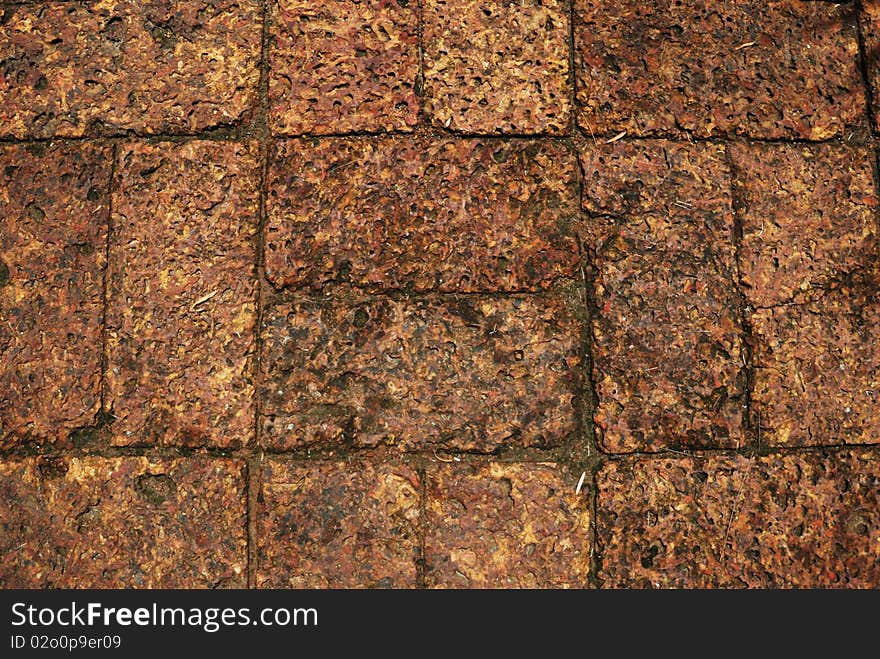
x=182 y=301
x=808 y=215
x=668 y=357
x=53 y=233
x=497 y=67
x=817 y=370
x=505 y=526
x=338 y=525
x=122 y=523
x=780 y=69
x=339 y=66
x=160 y=66
x=473 y=373
x=393 y=213
x=871 y=30
x=784 y=521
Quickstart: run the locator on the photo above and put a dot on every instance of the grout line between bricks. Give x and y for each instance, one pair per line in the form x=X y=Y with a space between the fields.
x=767 y=451
x=245 y=133
x=364 y=292
x=722 y=139
x=421 y=561
x=415 y=457
x=876 y=164
x=864 y=56
x=254 y=473
x=871 y=111
x=592 y=462
x=594 y=580
x=105 y=285
x=753 y=433
x=253 y=455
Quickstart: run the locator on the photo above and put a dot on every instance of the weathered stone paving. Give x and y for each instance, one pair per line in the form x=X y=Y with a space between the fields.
x=439 y=294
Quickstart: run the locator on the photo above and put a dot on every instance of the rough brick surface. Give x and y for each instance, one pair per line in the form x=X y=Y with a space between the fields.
x=808 y=215
x=871 y=31
x=122 y=523
x=800 y=520
x=785 y=69
x=70 y=68
x=497 y=67
x=469 y=374
x=182 y=303
x=505 y=526
x=668 y=359
x=53 y=232
x=464 y=216
x=817 y=375
x=338 y=66
x=338 y=525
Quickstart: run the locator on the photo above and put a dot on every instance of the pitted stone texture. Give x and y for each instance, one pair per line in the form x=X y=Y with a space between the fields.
x=467 y=374
x=122 y=523
x=339 y=66
x=784 y=521
x=817 y=369
x=496 y=67
x=668 y=355
x=160 y=66
x=338 y=525
x=505 y=526
x=181 y=310
x=808 y=214
x=422 y=214
x=780 y=69
x=871 y=30
x=53 y=232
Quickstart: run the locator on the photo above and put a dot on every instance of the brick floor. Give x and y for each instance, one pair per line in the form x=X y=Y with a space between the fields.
x=667 y=340
x=167 y=66
x=715 y=68
x=505 y=526
x=439 y=294
x=122 y=523
x=53 y=231
x=801 y=520
x=817 y=375
x=339 y=525
x=338 y=66
x=497 y=67
x=808 y=214
x=870 y=20
x=456 y=216
x=472 y=374
x=181 y=307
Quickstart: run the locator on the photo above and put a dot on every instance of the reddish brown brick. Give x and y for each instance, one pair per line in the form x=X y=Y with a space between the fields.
x=162 y=66
x=497 y=67
x=505 y=526
x=871 y=31
x=338 y=525
x=817 y=375
x=339 y=66
x=122 y=523
x=784 y=521
x=808 y=216
x=53 y=232
x=465 y=215
x=779 y=69
x=181 y=313
x=667 y=338
x=469 y=374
